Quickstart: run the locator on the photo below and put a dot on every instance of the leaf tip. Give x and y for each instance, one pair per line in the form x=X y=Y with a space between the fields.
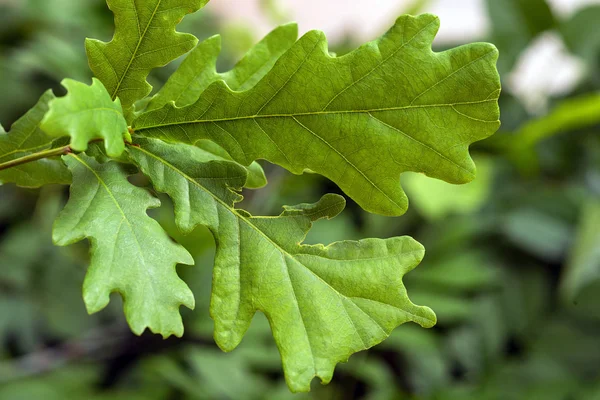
x=329 y=206
x=94 y=298
x=290 y=28
x=215 y=40
x=429 y=318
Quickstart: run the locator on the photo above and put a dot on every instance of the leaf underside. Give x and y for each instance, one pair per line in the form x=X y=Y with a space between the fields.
x=323 y=303
x=26 y=137
x=391 y=106
x=131 y=254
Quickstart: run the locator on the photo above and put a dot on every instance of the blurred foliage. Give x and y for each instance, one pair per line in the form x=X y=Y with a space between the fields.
x=515 y=23
x=435 y=199
x=583 y=39
x=571 y=114
x=512 y=266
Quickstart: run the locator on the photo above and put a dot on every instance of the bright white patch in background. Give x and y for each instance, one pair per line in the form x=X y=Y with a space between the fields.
x=244 y=12
x=353 y=17
x=568 y=7
x=545 y=69
x=462 y=20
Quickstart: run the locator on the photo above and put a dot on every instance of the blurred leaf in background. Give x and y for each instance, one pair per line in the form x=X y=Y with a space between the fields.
x=436 y=199
x=515 y=23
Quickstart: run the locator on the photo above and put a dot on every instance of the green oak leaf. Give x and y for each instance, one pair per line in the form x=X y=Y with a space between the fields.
x=144 y=39
x=87 y=113
x=26 y=137
x=391 y=106
x=131 y=254
x=198 y=70
x=324 y=303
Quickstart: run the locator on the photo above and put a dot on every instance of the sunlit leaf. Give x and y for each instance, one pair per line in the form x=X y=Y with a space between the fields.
x=145 y=38
x=198 y=70
x=208 y=151
x=361 y=120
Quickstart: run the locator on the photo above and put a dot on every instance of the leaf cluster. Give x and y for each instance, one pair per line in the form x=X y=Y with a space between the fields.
x=391 y=106
x=505 y=328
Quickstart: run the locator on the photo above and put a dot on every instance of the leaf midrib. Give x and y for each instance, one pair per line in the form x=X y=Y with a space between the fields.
x=227 y=207
x=313 y=113
x=241 y=217
x=367 y=112
x=113 y=198
x=137 y=47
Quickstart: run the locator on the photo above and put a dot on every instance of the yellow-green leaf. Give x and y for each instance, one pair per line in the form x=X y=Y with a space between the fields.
x=131 y=254
x=324 y=303
x=199 y=69
x=361 y=120
x=145 y=38
x=87 y=113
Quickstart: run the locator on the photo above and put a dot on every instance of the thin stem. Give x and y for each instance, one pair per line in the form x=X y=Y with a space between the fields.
x=36 y=156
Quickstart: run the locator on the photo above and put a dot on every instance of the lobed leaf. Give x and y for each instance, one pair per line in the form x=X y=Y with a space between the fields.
x=198 y=70
x=26 y=137
x=323 y=303
x=144 y=39
x=131 y=254
x=361 y=120
x=206 y=151
x=87 y=113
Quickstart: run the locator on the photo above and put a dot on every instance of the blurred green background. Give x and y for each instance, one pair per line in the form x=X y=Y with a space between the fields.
x=512 y=266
